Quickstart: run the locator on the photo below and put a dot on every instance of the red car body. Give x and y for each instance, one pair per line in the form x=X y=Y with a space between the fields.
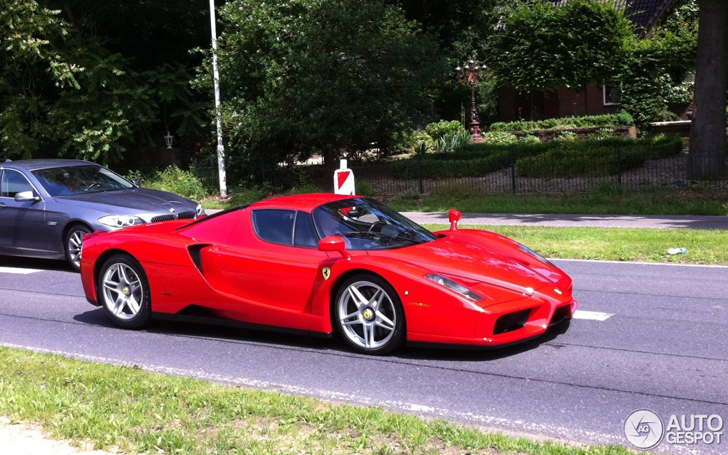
x=220 y=267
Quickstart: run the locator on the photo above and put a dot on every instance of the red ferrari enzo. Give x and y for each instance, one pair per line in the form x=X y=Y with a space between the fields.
x=319 y=263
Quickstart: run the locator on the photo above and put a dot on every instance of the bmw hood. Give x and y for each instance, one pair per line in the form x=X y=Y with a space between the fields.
x=132 y=201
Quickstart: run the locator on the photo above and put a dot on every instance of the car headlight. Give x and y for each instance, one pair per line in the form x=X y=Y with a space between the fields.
x=528 y=250
x=199 y=210
x=452 y=285
x=120 y=221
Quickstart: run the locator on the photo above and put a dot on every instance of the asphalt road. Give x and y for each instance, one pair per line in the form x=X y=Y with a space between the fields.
x=649 y=336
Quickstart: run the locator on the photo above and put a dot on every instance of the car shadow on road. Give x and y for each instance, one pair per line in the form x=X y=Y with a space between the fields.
x=464 y=353
x=327 y=346
x=34 y=263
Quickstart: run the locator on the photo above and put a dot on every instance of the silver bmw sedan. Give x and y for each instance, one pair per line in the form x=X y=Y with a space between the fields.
x=47 y=206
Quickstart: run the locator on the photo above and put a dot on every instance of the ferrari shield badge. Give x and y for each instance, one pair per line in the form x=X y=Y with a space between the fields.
x=327 y=272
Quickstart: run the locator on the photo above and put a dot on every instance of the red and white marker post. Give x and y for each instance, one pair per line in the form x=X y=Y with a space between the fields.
x=344 y=180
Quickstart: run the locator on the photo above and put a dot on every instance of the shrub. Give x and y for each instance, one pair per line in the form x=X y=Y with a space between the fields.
x=597 y=157
x=600 y=134
x=175 y=180
x=443 y=128
x=452 y=141
x=566 y=136
x=499 y=137
x=423 y=142
x=530 y=139
x=621 y=118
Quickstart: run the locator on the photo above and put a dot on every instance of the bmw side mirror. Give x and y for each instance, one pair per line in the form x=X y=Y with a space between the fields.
x=333 y=243
x=454 y=218
x=26 y=196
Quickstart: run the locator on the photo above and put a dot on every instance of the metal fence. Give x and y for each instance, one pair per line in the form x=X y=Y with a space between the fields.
x=546 y=173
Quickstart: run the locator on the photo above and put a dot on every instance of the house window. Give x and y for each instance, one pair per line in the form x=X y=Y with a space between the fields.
x=612 y=92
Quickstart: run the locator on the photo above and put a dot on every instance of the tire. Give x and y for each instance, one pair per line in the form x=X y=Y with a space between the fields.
x=123 y=290
x=368 y=314
x=73 y=243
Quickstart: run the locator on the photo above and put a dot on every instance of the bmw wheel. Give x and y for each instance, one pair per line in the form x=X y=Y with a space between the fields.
x=74 y=243
x=368 y=314
x=123 y=290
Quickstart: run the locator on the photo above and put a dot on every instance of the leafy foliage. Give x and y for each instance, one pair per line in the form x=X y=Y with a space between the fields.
x=563 y=158
x=174 y=180
x=654 y=73
x=544 y=46
x=73 y=85
x=621 y=118
x=312 y=76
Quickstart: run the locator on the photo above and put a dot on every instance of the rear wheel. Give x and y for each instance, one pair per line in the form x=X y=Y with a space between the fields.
x=123 y=290
x=74 y=243
x=368 y=314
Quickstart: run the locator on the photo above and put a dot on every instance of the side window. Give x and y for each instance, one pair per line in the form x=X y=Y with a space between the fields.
x=275 y=226
x=13 y=182
x=305 y=235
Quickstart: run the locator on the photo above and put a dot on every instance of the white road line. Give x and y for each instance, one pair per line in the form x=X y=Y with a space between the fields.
x=592 y=315
x=17 y=271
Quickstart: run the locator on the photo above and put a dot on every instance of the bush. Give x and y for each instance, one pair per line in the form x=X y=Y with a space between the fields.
x=444 y=128
x=499 y=137
x=557 y=158
x=174 y=180
x=621 y=118
x=608 y=157
x=452 y=141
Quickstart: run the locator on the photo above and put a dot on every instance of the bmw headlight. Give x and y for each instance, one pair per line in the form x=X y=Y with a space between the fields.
x=120 y=221
x=528 y=250
x=199 y=210
x=452 y=285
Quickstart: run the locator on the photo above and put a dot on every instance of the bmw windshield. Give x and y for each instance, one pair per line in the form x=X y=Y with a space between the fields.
x=368 y=225
x=71 y=180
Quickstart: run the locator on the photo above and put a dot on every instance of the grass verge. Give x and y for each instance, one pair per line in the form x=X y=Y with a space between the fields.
x=606 y=201
x=138 y=411
x=615 y=244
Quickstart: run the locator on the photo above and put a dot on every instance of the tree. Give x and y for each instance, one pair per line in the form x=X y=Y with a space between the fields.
x=314 y=76
x=544 y=46
x=708 y=129
x=97 y=80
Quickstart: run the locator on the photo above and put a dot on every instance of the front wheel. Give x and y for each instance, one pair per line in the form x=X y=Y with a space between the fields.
x=74 y=243
x=368 y=313
x=123 y=290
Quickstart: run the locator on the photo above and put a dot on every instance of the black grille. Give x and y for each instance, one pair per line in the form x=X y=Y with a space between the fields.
x=186 y=215
x=511 y=321
x=159 y=218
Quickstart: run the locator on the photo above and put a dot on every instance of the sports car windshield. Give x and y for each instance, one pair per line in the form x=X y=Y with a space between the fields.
x=367 y=224
x=70 y=180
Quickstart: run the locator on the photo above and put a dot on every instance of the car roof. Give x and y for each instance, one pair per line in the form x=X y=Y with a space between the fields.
x=305 y=202
x=32 y=165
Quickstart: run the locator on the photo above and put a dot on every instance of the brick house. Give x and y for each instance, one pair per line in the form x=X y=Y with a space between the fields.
x=601 y=97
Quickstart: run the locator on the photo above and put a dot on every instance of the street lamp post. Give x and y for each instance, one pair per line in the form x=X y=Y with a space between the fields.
x=216 y=81
x=471 y=75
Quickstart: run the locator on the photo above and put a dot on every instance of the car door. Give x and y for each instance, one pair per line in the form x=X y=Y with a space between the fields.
x=22 y=224
x=272 y=269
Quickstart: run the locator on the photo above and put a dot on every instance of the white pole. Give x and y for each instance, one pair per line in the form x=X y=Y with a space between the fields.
x=216 y=77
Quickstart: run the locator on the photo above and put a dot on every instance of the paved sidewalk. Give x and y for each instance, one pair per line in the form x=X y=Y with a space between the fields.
x=604 y=221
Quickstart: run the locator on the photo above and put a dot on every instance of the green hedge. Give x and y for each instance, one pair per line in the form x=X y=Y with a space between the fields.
x=539 y=160
x=621 y=118
x=598 y=158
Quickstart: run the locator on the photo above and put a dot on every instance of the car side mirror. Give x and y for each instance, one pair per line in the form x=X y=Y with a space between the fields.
x=333 y=243
x=137 y=183
x=26 y=196
x=454 y=218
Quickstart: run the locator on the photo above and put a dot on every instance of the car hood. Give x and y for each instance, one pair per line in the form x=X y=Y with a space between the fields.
x=137 y=200
x=451 y=256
